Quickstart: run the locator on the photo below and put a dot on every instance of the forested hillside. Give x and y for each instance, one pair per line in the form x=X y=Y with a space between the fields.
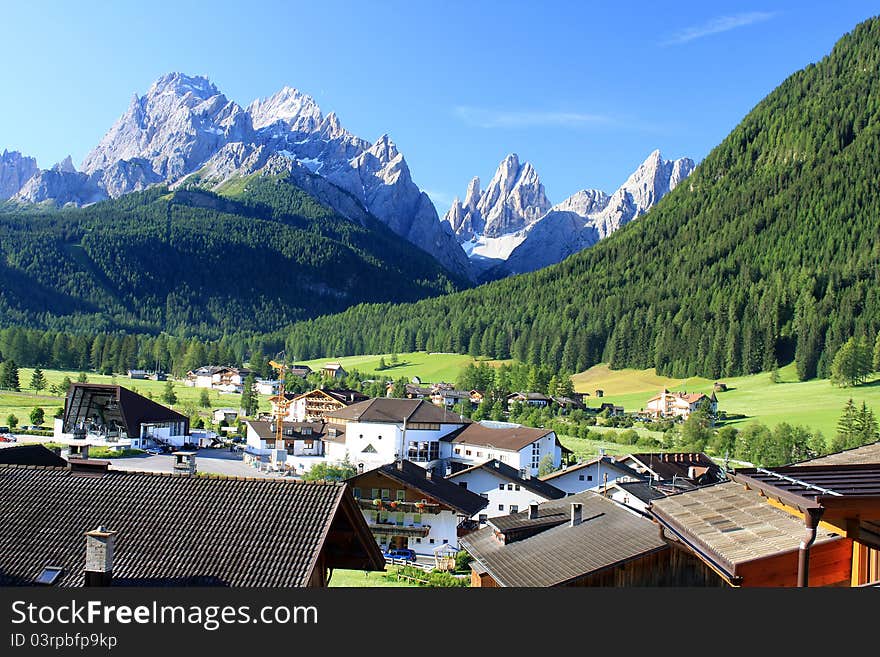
x=192 y=262
x=769 y=252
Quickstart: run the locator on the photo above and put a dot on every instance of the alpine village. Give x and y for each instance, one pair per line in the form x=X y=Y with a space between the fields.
x=251 y=321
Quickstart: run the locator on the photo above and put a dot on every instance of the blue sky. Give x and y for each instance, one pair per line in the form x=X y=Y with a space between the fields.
x=583 y=90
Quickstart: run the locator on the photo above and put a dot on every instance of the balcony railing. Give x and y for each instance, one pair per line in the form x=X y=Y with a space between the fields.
x=399 y=530
x=398 y=506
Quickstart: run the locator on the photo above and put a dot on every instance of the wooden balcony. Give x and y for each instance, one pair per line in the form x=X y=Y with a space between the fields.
x=401 y=507
x=390 y=529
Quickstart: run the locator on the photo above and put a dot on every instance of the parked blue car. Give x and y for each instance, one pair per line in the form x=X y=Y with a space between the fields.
x=400 y=553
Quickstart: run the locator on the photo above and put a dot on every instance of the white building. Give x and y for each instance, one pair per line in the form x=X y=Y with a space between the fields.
x=303 y=445
x=504 y=487
x=515 y=445
x=383 y=430
x=228 y=414
x=406 y=506
x=591 y=475
x=678 y=404
x=217 y=377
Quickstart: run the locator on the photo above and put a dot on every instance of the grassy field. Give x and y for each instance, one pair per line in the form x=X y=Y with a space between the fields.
x=431 y=367
x=360 y=579
x=20 y=404
x=816 y=404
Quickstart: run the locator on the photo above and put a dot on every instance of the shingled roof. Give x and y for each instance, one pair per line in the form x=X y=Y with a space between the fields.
x=678 y=464
x=512 y=438
x=179 y=530
x=858 y=455
x=84 y=399
x=731 y=525
x=504 y=471
x=391 y=410
x=607 y=536
x=605 y=460
x=444 y=491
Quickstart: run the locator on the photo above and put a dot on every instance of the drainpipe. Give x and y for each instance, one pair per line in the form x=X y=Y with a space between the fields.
x=811 y=522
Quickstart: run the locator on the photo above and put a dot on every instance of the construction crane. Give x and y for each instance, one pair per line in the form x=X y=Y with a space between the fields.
x=282 y=403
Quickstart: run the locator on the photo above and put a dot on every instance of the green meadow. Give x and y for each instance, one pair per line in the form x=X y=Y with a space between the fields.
x=816 y=404
x=429 y=367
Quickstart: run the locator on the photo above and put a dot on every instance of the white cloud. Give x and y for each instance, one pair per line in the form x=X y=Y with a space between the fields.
x=486 y=118
x=718 y=25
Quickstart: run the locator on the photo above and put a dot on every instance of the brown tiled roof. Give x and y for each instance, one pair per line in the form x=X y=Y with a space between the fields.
x=732 y=524
x=511 y=474
x=175 y=530
x=607 y=536
x=391 y=410
x=865 y=454
x=508 y=438
x=444 y=491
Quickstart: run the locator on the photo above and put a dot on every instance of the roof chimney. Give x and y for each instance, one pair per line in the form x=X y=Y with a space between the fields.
x=99 y=557
x=81 y=467
x=577 y=513
x=428 y=473
x=185 y=462
x=533 y=510
x=399 y=464
x=78 y=451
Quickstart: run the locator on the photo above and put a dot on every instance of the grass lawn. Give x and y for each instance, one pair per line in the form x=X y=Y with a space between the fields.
x=359 y=579
x=816 y=404
x=20 y=404
x=431 y=367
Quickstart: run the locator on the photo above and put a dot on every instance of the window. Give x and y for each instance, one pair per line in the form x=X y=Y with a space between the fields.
x=514 y=508
x=589 y=477
x=401 y=495
x=483 y=517
x=309 y=444
x=369 y=449
x=479 y=453
x=489 y=455
x=356 y=492
x=431 y=541
x=501 y=507
x=380 y=437
x=418 y=540
x=580 y=477
x=307 y=431
x=509 y=486
x=49 y=574
x=516 y=487
x=457 y=450
x=445 y=541
x=374 y=493
x=463 y=484
x=500 y=486
x=398 y=517
x=467 y=452
x=386 y=493
x=417 y=518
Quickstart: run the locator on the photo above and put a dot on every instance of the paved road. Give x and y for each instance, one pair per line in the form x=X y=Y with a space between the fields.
x=215 y=461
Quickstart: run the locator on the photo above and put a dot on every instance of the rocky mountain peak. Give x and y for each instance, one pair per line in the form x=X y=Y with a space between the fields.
x=65 y=165
x=290 y=106
x=513 y=199
x=179 y=84
x=15 y=170
x=472 y=197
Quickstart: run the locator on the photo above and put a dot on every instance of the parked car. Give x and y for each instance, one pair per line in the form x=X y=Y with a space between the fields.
x=400 y=553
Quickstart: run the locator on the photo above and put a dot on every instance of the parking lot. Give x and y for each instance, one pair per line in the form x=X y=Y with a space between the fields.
x=214 y=461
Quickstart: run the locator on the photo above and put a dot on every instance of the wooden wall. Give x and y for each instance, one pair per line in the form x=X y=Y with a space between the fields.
x=830 y=565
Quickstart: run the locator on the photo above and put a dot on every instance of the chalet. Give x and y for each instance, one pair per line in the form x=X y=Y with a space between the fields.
x=267 y=387
x=411 y=391
x=98 y=413
x=568 y=403
x=228 y=415
x=449 y=397
x=695 y=467
x=315 y=404
x=225 y=379
x=537 y=399
x=518 y=446
x=333 y=371
x=678 y=404
x=603 y=544
x=137 y=374
x=407 y=506
x=505 y=487
x=122 y=520
x=595 y=474
x=380 y=431
x=302 y=371
x=614 y=410
x=303 y=444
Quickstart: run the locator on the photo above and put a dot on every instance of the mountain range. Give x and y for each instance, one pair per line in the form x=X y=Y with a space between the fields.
x=511 y=227
x=183 y=132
